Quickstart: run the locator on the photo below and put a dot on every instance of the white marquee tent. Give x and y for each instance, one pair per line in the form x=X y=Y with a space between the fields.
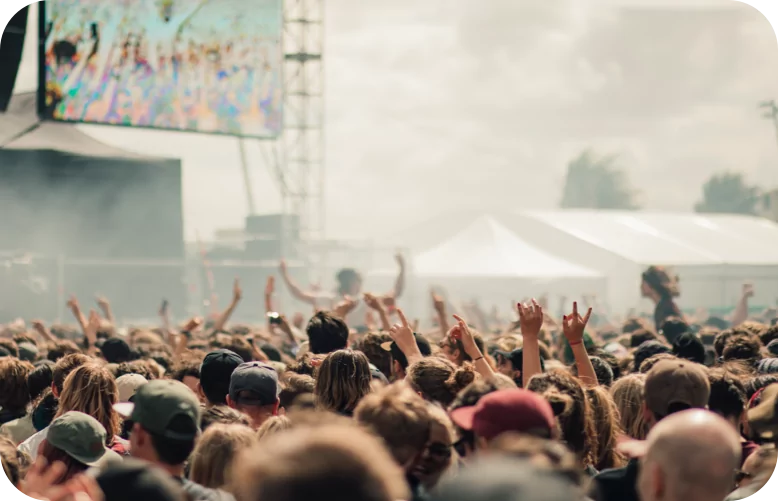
x=712 y=254
x=488 y=261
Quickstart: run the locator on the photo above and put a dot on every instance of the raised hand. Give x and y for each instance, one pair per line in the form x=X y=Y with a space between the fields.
x=345 y=307
x=270 y=286
x=73 y=303
x=573 y=325
x=373 y=302
x=237 y=292
x=102 y=302
x=531 y=318
x=402 y=334
x=748 y=290
x=437 y=302
x=462 y=332
x=92 y=326
x=282 y=266
x=193 y=324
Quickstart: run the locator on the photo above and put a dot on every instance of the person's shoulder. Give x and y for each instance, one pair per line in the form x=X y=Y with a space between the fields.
x=612 y=474
x=197 y=492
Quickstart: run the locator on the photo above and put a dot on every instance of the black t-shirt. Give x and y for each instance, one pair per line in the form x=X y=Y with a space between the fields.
x=665 y=308
x=617 y=484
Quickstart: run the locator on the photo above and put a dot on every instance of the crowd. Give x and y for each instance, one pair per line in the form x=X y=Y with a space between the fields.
x=666 y=407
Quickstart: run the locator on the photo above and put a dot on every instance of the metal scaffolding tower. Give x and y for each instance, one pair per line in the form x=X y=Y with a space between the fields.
x=298 y=155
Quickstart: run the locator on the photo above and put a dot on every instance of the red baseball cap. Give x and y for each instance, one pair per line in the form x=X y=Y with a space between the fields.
x=501 y=411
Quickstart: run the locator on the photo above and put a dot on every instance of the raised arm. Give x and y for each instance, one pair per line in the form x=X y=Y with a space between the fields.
x=297 y=292
x=440 y=310
x=75 y=308
x=573 y=327
x=740 y=314
x=463 y=333
x=105 y=307
x=237 y=294
x=376 y=305
x=399 y=284
x=402 y=334
x=531 y=318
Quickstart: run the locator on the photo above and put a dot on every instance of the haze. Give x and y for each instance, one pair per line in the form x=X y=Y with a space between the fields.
x=445 y=105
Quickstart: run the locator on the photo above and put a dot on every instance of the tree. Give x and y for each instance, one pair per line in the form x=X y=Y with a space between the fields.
x=594 y=182
x=728 y=193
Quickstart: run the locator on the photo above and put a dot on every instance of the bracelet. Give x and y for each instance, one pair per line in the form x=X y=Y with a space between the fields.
x=479 y=358
x=576 y=344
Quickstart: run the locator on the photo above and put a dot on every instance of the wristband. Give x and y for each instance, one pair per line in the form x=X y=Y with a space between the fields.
x=576 y=343
x=479 y=358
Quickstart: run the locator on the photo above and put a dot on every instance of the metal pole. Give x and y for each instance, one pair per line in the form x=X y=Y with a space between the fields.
x=246 y=177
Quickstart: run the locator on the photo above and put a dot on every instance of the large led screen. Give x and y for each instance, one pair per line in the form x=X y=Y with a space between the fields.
x=212 y=66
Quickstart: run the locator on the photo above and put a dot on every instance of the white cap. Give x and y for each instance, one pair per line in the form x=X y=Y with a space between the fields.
x=128 y=385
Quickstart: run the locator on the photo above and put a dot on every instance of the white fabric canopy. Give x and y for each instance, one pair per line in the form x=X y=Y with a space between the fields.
x=487 y=249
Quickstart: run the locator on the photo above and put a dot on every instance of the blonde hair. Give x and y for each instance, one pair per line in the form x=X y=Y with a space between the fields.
x=606 y=420
x=91 y=389
x=272 y=426
x=627 y=394
x=399 y=416
x=213 y=456
x=439 y=380
x=342 y=380
x=340 y=462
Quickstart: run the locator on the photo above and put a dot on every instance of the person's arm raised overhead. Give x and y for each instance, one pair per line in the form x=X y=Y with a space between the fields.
x=531 y=319
x=377 y=305
x=44 y=331
x=740 y=314
x=573 y=327
x=343 y=308
x=463 y=333
x=90 y=333
x=399 y=284
x=237 y=295
x=440 y=310
x=75 y=308
x=105 y=307
x=307 y=296
x=270 y=288
x=402 y=334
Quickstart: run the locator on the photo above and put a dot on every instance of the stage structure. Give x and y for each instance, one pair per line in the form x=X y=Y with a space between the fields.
x=296 y=157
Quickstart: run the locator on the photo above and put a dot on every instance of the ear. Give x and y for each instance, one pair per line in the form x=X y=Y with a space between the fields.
x=138 y=434
x=648 y=416
x=54 y=390
x=276 y=407
x=230 y=403
x=200 y=392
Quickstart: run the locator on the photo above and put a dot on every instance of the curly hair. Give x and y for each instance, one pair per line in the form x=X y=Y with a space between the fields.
x=439 y=380
x=306 y=364
x=370 y=345
x=566 y=395
x=745 y=347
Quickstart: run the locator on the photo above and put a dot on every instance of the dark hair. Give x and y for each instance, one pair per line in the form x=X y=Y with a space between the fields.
x=14 y=393
x=641 y=336
x=294 y=386
x=769 y=334
x=60 y=349
x=40 y=379
x=345 y=278
x=479 y=342
x=424 y=348
x=651 y=361
x=673 y=327
x=602 y=369
x=174 y=452
x=326 y=333
x=223 y=415
x=342 y=380
x=242 y=347
x=720 y=342
x=727 y=394
x=43 y=409
x=65 y=366
x=634 y=324
x=661 y=281
x=611 y=360
x=647 y=350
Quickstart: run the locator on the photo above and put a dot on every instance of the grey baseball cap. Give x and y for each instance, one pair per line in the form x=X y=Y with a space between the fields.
x=254 y=383
x=81 y=437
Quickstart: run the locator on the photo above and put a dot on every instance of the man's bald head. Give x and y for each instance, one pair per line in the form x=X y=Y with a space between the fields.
x=690 y=455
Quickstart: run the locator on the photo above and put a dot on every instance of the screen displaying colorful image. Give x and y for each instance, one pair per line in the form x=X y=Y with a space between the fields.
x=211 y=66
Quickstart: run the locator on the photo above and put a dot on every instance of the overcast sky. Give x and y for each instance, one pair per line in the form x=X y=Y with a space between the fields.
x=440 y=105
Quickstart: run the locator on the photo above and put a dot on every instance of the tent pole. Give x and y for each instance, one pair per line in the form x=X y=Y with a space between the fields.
x=246 y=177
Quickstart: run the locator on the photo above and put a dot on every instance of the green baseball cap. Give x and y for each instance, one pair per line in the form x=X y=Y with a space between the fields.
x=81 y=437
x=158 y=404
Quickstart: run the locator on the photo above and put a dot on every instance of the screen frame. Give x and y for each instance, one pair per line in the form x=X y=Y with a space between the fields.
x=41 y=92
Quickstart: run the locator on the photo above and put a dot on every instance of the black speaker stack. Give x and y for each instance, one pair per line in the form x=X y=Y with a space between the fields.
x=11 y=46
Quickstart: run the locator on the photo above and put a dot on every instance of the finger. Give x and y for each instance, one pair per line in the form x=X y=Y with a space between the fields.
x=586 y=318
x=521 y=311
x=402 y=318
x=575 y=309
x=536 y=305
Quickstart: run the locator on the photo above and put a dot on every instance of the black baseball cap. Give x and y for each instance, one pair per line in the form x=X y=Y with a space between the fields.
x=689 y=347
x=397 y=354
x=254 y=383
x=215 y=372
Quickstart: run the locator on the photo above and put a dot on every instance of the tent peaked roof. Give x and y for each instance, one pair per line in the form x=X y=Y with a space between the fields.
x=488 y=249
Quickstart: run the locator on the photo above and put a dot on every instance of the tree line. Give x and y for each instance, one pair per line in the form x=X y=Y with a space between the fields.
x=598 y=182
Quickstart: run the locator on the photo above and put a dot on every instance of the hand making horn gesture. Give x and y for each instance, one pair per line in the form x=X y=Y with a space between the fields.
x=573 y=325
